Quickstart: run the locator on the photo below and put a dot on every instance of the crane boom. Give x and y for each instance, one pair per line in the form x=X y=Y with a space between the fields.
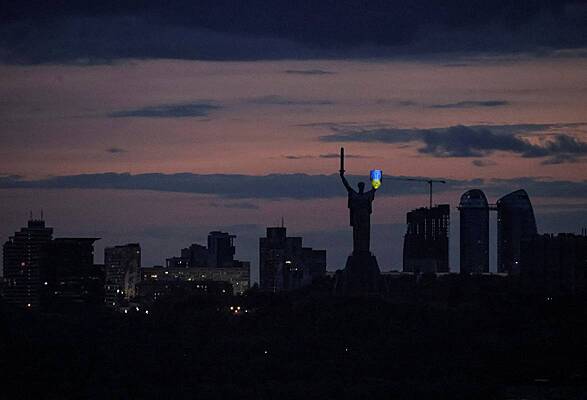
x=429 y=181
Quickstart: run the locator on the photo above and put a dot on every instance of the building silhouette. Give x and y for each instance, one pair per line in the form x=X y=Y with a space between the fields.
x=42 y=272
x=284 y=264
x=198 y=263
x=219 y=253
x=71 y=275
x=426 y=240
x=195 y=255
x=515 y=222
x=238 y=276
x=156 y=281
x=24 y=264
x=122 y=272
x=474 y=232
x=554 y=264
x=220 y=249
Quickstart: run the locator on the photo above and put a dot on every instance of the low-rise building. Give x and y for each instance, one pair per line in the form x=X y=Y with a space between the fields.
x=237 y=276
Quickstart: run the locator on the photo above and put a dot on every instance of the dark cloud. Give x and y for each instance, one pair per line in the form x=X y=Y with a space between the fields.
x=463 y=141
x=116 y=150
x=483 y=163
x=395 y=102
x=291 y=186
x=274 y=186
x=470 y=141
x=89 y=40
x=324 y=155
x=74 y=31
x=561 y=159
x=11 y=176
x=298 y=157
x=243 y=205
x=456 y=65
x=275 y=100
x=185 y=110
x=459 y=104
x=381 y=135
x=537 y=187
x=472 y=104
x=336 y=155
x=230 y=186
x=308 y=72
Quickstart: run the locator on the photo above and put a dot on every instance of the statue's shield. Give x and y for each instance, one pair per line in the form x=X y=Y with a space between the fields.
x=375 y=176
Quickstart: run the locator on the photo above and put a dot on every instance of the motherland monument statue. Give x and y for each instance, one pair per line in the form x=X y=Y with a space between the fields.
x=361 y=273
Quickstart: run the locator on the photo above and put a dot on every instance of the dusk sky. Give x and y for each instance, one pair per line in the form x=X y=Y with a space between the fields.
x=151 y=123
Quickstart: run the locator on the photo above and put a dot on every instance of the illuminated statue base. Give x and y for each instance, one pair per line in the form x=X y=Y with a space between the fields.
x=360 y=276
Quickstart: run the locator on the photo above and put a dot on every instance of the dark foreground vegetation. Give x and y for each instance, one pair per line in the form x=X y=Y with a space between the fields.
x=305 y=345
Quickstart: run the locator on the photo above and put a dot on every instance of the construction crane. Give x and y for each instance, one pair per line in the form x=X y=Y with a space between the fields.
x=429 y=181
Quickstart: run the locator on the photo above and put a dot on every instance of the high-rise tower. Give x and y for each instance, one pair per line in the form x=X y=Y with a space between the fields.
x=284 y=264
x=515 y=222
x=474 y=229
x=426 y=240
x=25 y=260
x=122 y=266
x=220 y=249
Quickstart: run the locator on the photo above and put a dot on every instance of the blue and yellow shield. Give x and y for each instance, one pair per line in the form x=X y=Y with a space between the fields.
x=375 y=178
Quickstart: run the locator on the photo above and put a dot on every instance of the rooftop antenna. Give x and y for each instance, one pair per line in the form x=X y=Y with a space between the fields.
x=30 y=215
x=282 y=224
x=42 y=215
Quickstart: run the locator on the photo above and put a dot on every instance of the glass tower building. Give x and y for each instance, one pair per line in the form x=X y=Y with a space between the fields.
x=474 y=229
x=515 y=222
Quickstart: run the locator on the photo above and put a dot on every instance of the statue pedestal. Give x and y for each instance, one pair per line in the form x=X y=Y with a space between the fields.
x=360 y=276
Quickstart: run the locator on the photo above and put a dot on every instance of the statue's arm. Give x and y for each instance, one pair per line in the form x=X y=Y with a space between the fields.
x=345 y=183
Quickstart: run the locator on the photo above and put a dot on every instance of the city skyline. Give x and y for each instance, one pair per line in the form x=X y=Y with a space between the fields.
x=387 y=243
x=454 y=241
x=202 y=126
